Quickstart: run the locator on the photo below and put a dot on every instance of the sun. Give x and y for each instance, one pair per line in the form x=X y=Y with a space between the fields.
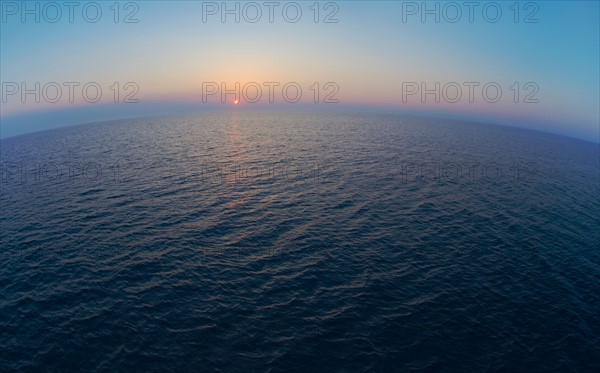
x=236 y=102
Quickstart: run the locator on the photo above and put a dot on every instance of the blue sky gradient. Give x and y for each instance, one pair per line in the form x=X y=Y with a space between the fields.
x=373 y=49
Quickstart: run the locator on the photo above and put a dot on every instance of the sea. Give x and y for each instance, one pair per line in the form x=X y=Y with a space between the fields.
x=271 y=242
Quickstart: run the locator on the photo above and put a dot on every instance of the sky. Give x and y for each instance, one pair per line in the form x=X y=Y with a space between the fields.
x=528 y=64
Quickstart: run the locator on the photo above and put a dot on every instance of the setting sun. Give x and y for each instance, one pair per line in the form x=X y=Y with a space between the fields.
x=406 y=185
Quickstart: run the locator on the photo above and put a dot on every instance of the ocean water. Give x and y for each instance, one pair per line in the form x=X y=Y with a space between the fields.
x=299 y=242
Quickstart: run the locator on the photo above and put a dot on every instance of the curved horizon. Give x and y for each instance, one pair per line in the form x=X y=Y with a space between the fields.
x=536 y=67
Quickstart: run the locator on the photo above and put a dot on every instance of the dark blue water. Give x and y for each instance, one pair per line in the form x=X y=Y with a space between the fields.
x=299 y=242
